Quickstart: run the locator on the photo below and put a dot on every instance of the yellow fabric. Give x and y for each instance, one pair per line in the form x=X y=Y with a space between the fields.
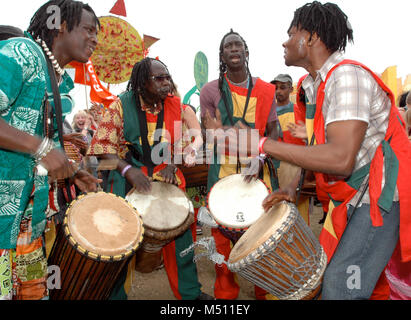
x=50 y=237
x=285 y=119
x=309 y=124
x=238 y=105
x=328 y=225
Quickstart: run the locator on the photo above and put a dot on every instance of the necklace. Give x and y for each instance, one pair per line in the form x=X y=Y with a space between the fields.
x=53 y=60
x=240 y=84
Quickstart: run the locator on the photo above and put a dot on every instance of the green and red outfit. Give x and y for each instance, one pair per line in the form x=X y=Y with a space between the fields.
x=256 y=115
x=394 y=153
x=181 y=272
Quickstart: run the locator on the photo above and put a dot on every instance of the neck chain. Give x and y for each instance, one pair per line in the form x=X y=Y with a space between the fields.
x=240 y=83
x=53 y=60
x=146 y=108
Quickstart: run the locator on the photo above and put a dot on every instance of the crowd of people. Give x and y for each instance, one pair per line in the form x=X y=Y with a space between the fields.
x=361 y=182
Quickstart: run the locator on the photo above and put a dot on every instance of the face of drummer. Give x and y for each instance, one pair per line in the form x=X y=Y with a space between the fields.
x=296 y=48
x=159 y=84
x=234 y=53
x=80 y=43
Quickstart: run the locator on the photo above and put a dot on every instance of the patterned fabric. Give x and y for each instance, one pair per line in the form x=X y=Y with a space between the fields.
x=23 y=271
x=109 y=137
x=23 y=84
x=351 y=93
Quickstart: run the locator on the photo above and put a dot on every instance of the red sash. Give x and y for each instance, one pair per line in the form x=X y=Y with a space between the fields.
x=340 y=191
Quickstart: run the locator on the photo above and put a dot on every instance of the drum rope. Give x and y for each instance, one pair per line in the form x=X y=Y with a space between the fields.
x=210 y=251
x=204 y=217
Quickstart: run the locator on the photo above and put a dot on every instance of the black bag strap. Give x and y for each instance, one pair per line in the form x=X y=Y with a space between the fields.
x=59 y=115
x=142 y=118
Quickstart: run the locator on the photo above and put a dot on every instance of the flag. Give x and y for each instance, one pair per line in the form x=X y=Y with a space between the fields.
x=119 y=8
x=86 y=75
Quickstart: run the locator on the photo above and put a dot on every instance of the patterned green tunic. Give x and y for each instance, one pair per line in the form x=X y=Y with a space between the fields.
x=23 y=84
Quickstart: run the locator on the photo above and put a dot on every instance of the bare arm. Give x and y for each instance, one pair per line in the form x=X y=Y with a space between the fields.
x=17 y=140
x=336 y=157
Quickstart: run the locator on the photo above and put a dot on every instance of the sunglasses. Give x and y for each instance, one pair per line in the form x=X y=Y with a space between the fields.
x=161 y=78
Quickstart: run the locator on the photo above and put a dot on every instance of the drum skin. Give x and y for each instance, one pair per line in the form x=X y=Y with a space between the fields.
x=166 y=215
x=87 y=271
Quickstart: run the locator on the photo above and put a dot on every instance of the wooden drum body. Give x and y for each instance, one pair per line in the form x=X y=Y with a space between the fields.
x=235 y=205
x=280 y=254
x=101 y=232
x=166 y=213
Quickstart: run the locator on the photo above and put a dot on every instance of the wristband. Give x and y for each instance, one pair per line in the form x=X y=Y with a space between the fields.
x=126 y=168
x=261 y=145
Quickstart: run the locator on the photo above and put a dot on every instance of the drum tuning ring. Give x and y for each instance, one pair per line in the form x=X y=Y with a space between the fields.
x=290 y=238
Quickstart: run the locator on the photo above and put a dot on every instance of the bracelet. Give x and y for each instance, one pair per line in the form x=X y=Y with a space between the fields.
x=261 y=145
x=126 y=168
x=44 y=148
x=262 y=157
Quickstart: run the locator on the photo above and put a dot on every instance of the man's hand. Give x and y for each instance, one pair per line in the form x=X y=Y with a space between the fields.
x=138 y=180
x=279 y=195
x=168 y=173
x=77 y=140
x=86 y=182
x=212 y=123
x=57 y=165
x=298 y=130
x=253 y=170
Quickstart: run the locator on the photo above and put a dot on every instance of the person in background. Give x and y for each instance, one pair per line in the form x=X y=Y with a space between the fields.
x=7 y=32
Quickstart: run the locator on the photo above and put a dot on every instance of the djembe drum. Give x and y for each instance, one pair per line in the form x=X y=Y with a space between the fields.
x=235 y=204
x=167 y=213
x=280 y=254
x=101 y=232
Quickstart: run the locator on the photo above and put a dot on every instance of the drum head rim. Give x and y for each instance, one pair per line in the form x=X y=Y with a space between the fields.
x=95 y=256
x=258 y=251
x=226 y=225
x=154 y=228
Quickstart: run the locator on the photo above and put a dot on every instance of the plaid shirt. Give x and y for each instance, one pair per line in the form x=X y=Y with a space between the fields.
x=351 y=93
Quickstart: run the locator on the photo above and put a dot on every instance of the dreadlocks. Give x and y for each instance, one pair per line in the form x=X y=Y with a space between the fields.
x=140 y=76
x=223 y=66
x=328 y=21
x=70 y=12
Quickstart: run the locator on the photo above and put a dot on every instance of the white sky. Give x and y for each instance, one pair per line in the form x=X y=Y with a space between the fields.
x=381 y=33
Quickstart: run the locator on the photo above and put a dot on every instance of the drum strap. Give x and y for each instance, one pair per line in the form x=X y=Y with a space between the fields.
x=59 y=115
x=142 y=118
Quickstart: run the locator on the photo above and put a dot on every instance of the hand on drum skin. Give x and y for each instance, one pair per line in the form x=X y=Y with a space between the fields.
x=212 y=123
x=57 y=165
x=298 y=130
x=86 y=182
x=190 y=160
x=278 y=196
x=253 y=170
x=168 y=173
x=138 y=180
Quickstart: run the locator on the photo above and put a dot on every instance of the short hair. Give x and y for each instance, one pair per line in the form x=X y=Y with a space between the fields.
x=140 y=76
x=71 y=12
x=7 y=32
x=328 y=21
